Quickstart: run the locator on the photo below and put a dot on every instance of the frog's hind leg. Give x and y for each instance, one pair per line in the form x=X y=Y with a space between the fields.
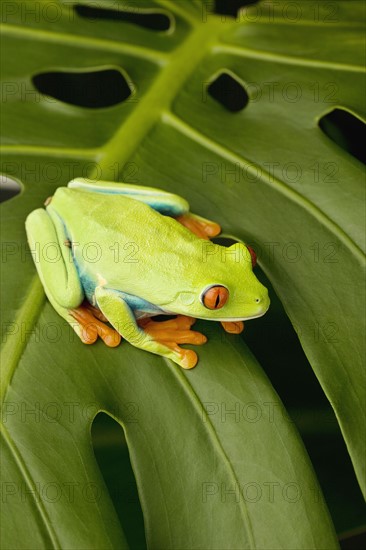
x=54 y=262
x=166 y=203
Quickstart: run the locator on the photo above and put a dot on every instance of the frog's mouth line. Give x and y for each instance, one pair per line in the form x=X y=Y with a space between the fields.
x=233 y=319
x=219 y=319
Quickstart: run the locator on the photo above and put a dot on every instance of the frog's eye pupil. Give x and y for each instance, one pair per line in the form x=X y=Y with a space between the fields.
x=215 y=297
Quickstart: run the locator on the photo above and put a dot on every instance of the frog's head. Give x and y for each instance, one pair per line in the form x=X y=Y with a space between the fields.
x=224 y=287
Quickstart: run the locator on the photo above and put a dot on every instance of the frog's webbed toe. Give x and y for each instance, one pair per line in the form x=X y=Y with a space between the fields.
x=205 y=229
x=173 y=332
x=91 y=323
x=233 y=327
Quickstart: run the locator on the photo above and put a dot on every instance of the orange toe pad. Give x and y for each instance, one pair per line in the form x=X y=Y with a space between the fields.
x=92 y=327
x=233 y=327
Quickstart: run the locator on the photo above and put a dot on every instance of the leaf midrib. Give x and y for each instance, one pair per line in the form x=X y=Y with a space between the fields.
x=158 y=99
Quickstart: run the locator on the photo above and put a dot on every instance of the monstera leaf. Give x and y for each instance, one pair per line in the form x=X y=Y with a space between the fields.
x=252 y=121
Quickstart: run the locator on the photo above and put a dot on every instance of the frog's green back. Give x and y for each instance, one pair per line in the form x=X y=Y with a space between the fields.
x=124 y=239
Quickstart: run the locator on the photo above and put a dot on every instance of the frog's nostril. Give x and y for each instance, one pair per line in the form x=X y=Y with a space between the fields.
x=257 y=300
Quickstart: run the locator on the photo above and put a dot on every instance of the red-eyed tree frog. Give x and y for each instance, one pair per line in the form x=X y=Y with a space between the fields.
x=121 y=254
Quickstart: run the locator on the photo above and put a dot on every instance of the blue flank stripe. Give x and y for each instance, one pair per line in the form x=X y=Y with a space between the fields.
x=136 y=304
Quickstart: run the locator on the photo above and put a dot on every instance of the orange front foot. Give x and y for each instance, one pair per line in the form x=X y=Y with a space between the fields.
x=173 y=332
x=92 y=324
x=205 y=229
x=233 y=327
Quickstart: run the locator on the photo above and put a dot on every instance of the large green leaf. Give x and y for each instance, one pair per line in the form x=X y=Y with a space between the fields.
x=187 y=449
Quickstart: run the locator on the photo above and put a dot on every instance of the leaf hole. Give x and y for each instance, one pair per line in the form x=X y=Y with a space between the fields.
x=231 y=7
x=112 y=455
x=9 y=187
x=93 y=89
x=152 y=20
x=222 y=240
x=347 y=131
x=228 y=91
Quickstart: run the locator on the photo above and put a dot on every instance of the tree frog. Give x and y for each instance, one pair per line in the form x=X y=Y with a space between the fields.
x=121 y=254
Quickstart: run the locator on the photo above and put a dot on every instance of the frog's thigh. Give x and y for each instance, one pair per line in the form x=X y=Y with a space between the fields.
x=53 y=258
x=122 y=319
x=162 y=201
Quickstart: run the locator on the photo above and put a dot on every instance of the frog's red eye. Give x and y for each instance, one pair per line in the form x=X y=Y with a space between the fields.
x=253 y=255
x=215 y=297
